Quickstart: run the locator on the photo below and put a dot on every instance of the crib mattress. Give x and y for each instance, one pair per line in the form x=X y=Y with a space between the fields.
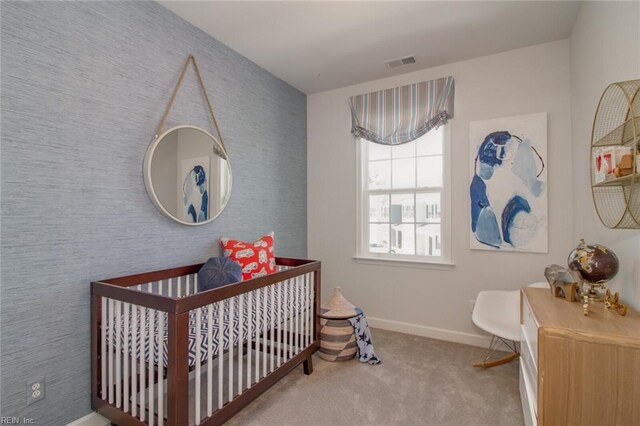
x=256 y=317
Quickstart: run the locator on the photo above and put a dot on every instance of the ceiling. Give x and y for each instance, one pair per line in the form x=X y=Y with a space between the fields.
x=322 y=45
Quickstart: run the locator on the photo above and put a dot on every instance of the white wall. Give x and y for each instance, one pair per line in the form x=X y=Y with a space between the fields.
x=164 y=172
x=428 y=301
x=605 y=48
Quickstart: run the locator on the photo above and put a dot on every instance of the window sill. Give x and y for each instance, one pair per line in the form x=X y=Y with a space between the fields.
x=403 y=263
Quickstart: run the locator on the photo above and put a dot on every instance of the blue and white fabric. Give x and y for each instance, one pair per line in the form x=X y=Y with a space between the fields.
x=363 y=338
x=256 y=316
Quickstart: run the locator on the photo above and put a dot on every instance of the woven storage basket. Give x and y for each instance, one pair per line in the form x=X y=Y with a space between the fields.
x=337 y=338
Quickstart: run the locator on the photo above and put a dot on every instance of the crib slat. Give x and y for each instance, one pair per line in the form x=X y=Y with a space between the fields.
x=258 y=320
x=152 y=325
x=291 y=314
x=209 y=360
x=118 y=353
x=264 y=331
x=103 y=347
x=311 y=306
x=134 y=359
x=296 y=314
x=230 y=330
x=271 y=322
x=311 y=318
x=220 y=353
x=125 y=356
x=143 y=345
x=160 y=366
x=187 y=289
x=301 y=313
x=111 y=331
x=198 y=344
x=278 y=319
x=286 y=319
x=249 y=336
x=301 y=304
x=240 y=340
x=169 y=287
x=307 y=341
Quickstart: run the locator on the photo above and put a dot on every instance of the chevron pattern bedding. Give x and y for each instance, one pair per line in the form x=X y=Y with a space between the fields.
x=256 y=317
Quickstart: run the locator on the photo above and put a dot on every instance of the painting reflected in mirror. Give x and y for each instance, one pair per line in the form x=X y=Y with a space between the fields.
x=187 y=175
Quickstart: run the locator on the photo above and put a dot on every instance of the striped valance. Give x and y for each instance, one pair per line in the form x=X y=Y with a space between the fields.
x=402 y=114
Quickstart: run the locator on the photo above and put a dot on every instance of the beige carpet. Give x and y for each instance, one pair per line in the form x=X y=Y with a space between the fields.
x=420 y=382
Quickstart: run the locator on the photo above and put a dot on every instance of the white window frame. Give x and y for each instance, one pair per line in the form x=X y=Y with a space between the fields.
x=362 y=245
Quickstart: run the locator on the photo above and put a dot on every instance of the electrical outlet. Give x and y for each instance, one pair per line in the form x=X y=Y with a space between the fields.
x=472 y=304
x=35 y=390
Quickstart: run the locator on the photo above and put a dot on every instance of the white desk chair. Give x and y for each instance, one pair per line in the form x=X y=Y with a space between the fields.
x=498 y=312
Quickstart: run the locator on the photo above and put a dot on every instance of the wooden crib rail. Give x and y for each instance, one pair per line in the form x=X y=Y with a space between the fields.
x=164 y=274
x=208 y=297
x=119 y=288
x=146 y=277
x=136 y=297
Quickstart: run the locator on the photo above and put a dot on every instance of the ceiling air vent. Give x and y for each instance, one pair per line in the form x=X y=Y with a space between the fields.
x=393 y=63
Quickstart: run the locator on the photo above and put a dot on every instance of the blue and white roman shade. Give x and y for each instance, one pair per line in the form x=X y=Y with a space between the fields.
x=402 y=114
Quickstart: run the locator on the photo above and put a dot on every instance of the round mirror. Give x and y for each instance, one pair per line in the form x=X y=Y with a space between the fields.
x=187 y=175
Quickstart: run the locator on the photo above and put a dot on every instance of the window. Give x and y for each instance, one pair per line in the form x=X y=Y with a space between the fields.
x=404 y=199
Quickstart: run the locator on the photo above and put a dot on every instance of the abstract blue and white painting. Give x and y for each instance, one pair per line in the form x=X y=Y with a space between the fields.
x=508 y=190
x=195 y=185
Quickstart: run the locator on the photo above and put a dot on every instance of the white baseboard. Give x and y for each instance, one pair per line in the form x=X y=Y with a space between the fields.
x=431 y=332
x=91 y=419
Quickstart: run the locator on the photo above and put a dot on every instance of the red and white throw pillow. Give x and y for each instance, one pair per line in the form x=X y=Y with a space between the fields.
x=256 y=259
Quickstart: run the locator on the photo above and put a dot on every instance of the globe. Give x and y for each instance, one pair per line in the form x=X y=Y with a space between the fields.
x=595 y=263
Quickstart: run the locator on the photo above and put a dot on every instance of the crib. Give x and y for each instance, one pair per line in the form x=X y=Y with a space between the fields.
x=164 y=353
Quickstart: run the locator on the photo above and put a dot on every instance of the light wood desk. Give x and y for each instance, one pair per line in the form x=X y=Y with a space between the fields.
x=576 y=369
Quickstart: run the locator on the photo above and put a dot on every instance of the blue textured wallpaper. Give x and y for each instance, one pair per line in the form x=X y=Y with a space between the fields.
x=83 y=86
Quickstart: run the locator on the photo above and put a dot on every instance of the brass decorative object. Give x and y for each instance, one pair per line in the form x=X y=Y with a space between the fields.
x=614 y=302
x=615 y=157
x=585 y=305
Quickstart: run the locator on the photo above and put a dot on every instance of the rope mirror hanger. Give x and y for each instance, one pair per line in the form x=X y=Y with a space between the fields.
x=190 y=59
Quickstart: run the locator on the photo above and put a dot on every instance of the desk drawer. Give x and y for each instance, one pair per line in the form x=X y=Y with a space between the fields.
x=527 y=353
x=529 y=330
x=528 y=408
x=529 y=369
